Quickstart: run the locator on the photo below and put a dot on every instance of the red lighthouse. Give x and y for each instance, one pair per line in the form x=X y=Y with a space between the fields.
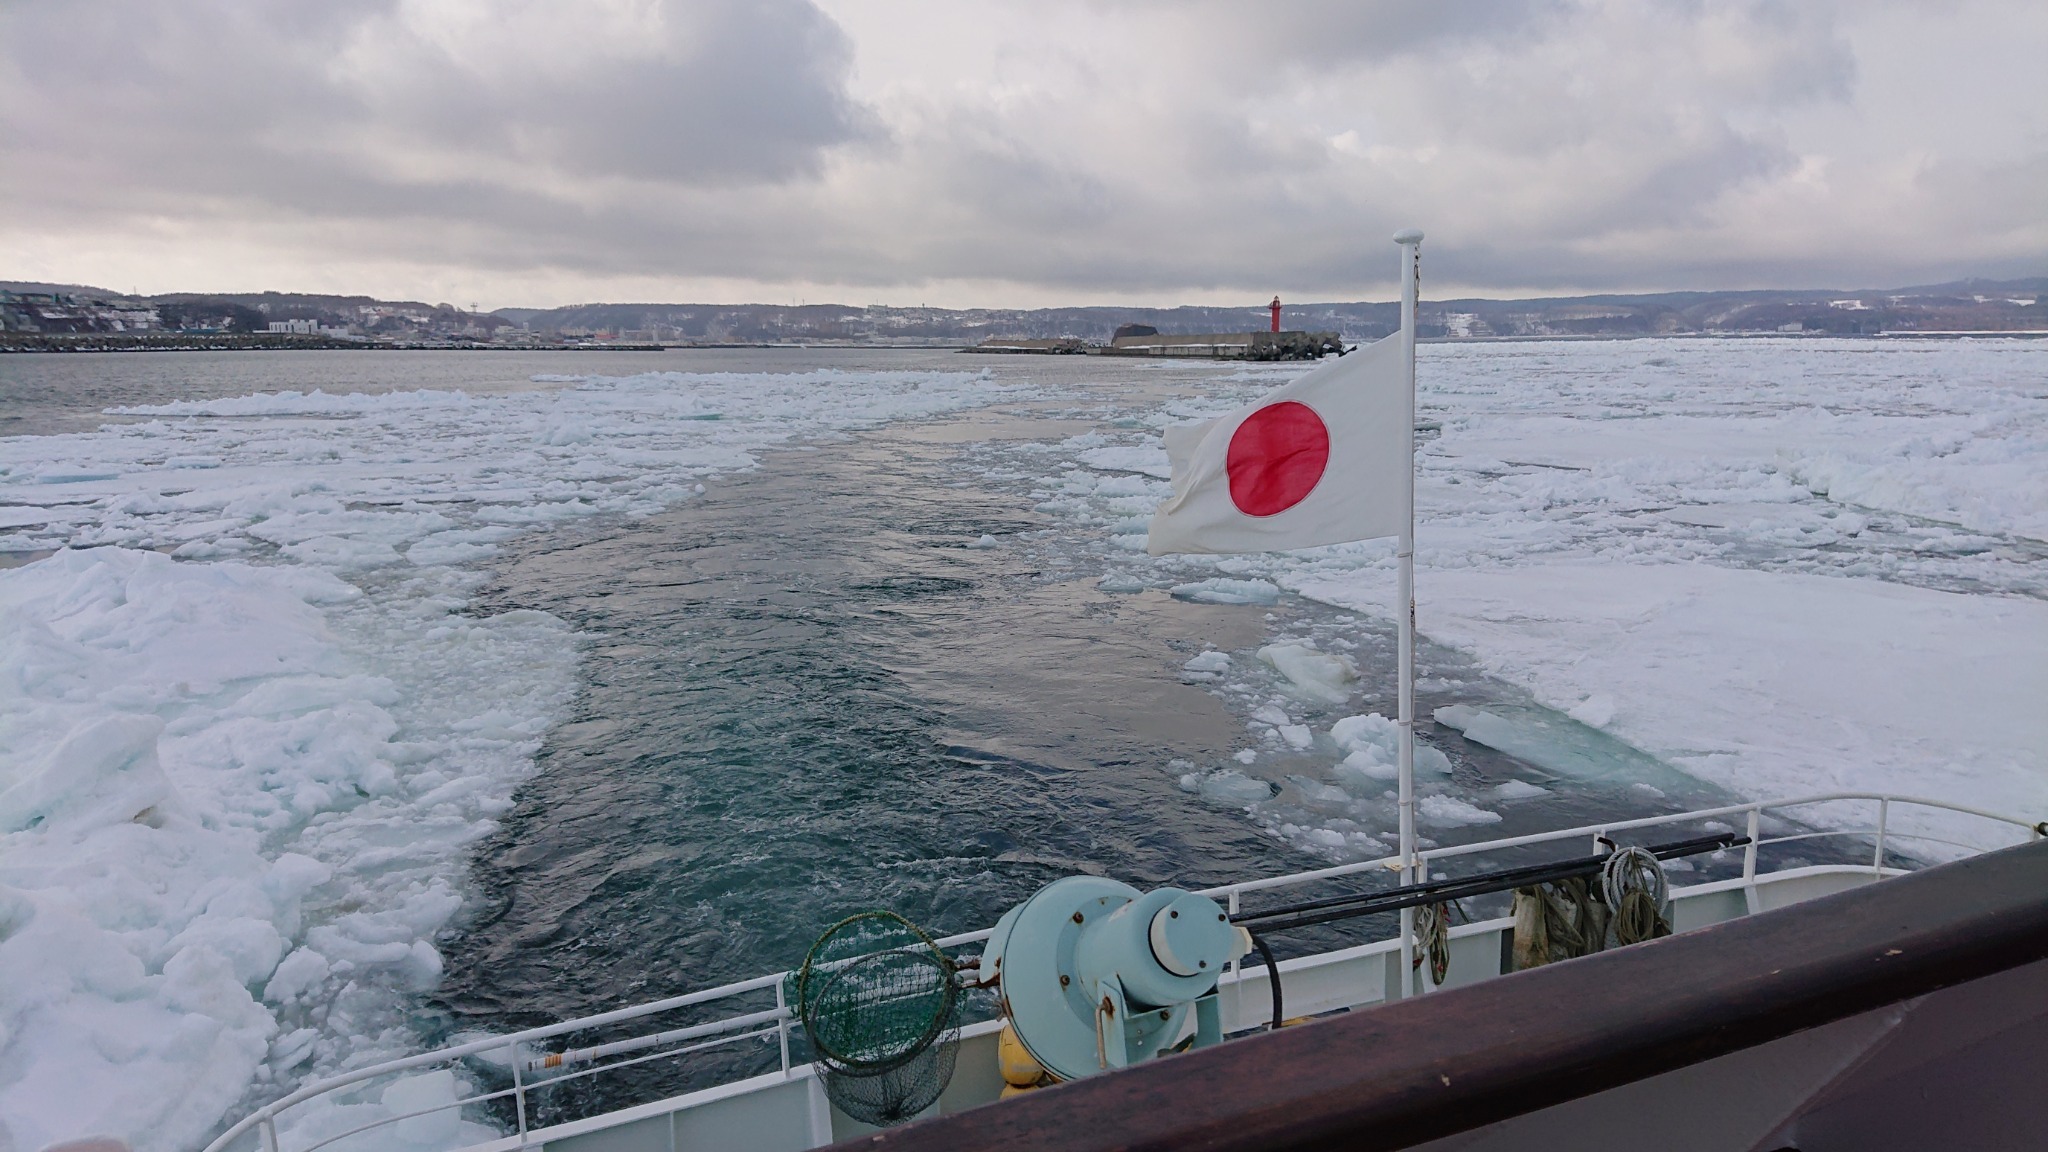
x=1276 y=313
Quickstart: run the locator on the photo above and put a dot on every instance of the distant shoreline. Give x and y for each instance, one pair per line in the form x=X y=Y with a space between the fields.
x=55 y=318
x=262 y=342
x=104 y=343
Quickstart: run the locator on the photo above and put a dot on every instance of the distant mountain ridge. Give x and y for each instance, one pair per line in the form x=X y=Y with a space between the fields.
x=66 y=289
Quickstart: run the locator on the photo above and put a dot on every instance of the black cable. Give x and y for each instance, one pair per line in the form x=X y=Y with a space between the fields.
x=1272 y=977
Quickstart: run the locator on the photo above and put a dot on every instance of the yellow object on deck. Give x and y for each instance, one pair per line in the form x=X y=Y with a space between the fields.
x=1020 y=1070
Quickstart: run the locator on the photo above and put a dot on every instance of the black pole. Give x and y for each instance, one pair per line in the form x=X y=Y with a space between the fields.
x=1333 y=908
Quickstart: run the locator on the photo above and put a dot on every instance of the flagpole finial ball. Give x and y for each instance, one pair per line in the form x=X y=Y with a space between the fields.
x=1408 y=236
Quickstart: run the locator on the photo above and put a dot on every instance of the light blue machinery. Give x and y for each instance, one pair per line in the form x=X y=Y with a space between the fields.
x=1096 y=975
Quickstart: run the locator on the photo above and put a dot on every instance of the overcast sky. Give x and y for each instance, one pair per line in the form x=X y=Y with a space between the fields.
x=544 y=152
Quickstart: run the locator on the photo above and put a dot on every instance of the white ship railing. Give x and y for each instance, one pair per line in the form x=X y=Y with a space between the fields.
x=518 y=1050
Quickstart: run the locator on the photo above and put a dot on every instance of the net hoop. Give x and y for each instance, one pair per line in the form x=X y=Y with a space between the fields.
x=831 y=990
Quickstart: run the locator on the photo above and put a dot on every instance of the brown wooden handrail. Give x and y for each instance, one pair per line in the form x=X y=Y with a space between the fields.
x=1399 y=1074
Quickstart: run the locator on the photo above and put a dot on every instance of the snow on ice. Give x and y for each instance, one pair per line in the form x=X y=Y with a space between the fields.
x=1770 y=683
x=237 y=787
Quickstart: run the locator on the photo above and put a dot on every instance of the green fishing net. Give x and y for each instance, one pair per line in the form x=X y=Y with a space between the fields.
x=881 y=1005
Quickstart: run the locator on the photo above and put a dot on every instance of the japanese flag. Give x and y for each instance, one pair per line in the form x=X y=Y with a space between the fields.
x=1323 y=460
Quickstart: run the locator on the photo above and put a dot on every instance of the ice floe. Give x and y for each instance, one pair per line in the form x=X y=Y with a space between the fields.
x=1450 y=812
x=1229 y=786
x=1371 y=744
x=1226 y=591
x=226 y=805
x=1317 y=675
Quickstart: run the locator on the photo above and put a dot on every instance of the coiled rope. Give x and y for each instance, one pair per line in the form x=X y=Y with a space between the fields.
x=1633 y=885
x=1557 y=921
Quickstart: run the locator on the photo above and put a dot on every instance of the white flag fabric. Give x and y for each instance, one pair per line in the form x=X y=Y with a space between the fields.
x=1320 y=461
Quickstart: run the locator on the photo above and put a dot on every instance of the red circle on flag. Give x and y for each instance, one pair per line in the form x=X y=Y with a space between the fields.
x=1276 y=458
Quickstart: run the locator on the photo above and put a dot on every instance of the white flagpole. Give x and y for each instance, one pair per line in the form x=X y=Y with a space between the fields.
x=1410 y=241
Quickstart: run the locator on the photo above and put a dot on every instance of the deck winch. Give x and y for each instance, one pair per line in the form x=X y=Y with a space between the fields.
x=1095 y=974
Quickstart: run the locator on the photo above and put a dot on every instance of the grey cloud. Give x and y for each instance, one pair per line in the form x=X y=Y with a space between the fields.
x=1318 y=33
x=1797 y=53
x=719 y=94
x=1545 y=144
x=119 y=88
x=217 y=97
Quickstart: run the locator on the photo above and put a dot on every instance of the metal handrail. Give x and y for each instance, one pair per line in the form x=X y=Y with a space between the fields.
x=1586 y=830
x=265 y=1118
x=510 y=1043
x=383 y=1120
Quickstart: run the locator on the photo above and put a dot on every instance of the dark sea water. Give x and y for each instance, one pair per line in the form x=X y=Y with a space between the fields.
x=806 y=697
